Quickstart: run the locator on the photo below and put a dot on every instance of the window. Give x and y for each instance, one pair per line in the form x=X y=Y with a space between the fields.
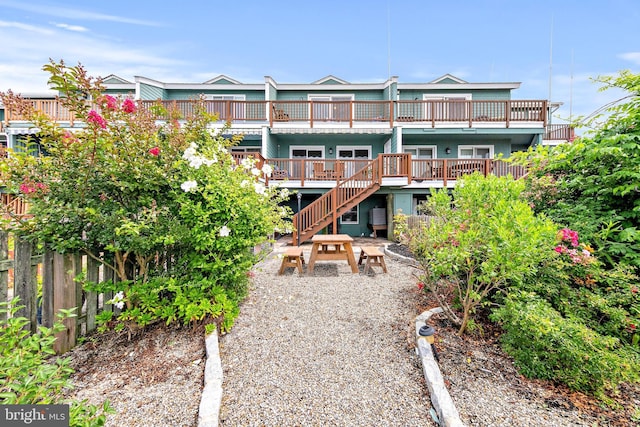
x=334 y=108
x=350 y=217
x=298 y=152
x=245 y=149
x=358 y=157
x=301 y=152
x=421 y=169
x=475 y=152
x=422 y=152
x=234 y=111
x=454 y=109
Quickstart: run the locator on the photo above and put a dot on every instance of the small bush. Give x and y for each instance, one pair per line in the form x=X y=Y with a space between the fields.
x=548 y=346
x=27 y=377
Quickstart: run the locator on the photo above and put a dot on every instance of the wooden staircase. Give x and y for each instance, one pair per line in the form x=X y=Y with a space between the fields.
x=344 y=196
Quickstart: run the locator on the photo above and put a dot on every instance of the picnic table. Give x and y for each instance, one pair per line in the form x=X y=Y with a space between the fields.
x=332 y=247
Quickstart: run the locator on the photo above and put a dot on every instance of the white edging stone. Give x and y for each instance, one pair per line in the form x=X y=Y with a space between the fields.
x=211 y=399
x=440 y=398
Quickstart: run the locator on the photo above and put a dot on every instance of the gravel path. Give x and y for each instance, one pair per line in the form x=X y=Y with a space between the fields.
x=324 y=349
x=328 y=349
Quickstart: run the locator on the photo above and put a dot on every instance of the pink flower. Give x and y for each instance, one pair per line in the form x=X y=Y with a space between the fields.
x=128 y=106
x=560 y=249
x=27 y=189
x=68 y=138
x=155 y=151
x=96 y=119
x=569 y=235
x=109 y=102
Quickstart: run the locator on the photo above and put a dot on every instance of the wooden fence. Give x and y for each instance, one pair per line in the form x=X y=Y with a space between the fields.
x=415 y=221
x=46 y=282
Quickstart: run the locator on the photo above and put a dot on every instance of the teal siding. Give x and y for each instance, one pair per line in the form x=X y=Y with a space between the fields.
x=119 y=92
x=224 y=81
x=195 y=94
x=273 y=92
x=331 y=82
x=394 y=141
x=362 y=227
x=402 y=201
x=372 y=95
x=491 y=95
x=476 y=95
x=151 y=92
x=448 y=81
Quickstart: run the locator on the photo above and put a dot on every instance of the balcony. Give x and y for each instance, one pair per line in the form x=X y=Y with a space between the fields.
x=559 y=132
x=349 y=114
x=319 y=172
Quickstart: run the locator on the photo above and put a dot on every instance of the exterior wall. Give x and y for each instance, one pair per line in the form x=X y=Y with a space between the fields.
x=362 y=228
x=151 y=92
x=119 y=92
x=396 y=139
x=402 y=201
x=272 y=92
x=304 y=95
x=482 y=95
x=194 y=94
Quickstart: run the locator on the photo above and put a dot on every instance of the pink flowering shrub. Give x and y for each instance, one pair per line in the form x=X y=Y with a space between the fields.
x=95 y=118
x=134 y=190
x=128 y=106
x=570 y=247
x=108 y=102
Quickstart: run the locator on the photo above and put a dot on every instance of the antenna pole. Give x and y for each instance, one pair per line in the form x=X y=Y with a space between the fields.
x=389 y=46
x=550 y=63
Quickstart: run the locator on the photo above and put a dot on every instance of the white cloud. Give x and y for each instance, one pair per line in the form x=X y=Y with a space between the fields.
x=63 y=12
x=26 y=48
x=633 y=57
x=25 y=27
x=69 y=27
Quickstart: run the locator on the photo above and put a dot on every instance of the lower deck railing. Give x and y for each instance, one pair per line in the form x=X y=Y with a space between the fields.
x=315 y=170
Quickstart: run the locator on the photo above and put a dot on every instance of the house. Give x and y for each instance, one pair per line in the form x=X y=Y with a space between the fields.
x=355 y=152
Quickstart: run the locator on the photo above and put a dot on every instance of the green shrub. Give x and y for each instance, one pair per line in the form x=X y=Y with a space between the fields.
x=484 y=241
x=606 y=299
x=548 y=346
x=27 y=377
x=161 y=203
x=591 y=184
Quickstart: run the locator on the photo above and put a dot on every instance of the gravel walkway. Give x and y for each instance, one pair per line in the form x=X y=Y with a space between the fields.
x=326 y=349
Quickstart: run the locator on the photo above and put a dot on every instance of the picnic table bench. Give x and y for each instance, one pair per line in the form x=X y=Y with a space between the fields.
x=373 y=258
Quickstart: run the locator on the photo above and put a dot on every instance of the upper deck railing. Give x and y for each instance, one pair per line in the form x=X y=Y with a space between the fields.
x=345 y=113
x=560 y=132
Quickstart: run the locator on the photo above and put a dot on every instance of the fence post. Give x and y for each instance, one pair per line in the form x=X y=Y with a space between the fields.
x=4 y=263
x=64 y=297
x=77 y=269
x=48 y=314
x=93 y=276
x=24 y=284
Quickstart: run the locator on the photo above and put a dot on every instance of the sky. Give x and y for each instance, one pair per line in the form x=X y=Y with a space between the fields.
x=554 y=48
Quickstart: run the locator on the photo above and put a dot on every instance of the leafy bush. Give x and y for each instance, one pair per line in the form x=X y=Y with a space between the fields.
x=591 y=184
x=549 y=346
x=27 y=377
x=164 y=206
x=606 y=300
x=482 y=241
